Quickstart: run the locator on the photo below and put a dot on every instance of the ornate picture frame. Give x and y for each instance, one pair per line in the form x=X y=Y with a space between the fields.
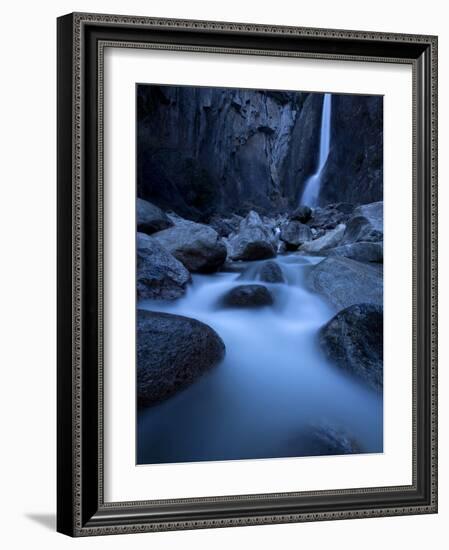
x=81 y=508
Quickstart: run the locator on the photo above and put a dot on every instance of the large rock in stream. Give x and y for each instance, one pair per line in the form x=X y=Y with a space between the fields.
x=344 y=282
x=301 y=214
x=253 y=241
x=160 y=276
x=366 y=224
x=225 y=226
x=248 y=296
x=197 y=246
x=294 y=234
x=150 y=218
x=172 y=352
x=329 y=240
x=271 y=272
x=329 y=216
x=353 y=340
x=322 y=440
x=360 y=251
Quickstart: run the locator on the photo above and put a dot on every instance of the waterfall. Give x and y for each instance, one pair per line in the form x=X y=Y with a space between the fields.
x=312 y=186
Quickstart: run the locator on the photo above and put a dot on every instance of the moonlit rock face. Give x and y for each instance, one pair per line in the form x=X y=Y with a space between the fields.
x=220 y=150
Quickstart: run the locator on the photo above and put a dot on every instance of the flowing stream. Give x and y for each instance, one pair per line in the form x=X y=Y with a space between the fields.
x=273 y=384
x=312 y=186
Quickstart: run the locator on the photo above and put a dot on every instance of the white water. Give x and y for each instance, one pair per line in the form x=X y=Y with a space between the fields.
x=273 y=383
x=312 y=186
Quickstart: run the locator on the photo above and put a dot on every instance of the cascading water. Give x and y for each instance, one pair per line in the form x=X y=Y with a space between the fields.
x=272 y=385
x=312 y=186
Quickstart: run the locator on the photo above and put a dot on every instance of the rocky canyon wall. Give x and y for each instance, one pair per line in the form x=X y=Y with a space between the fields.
x=205 y=151
x=354 y=168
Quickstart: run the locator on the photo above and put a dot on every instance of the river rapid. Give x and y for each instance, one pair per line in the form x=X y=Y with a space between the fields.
x=272 y=386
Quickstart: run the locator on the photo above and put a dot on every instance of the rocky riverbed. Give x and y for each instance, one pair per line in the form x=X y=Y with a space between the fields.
x=259 y=336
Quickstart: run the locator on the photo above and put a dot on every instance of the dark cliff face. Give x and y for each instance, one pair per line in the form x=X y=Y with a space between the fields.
x=354 y=168
x=304 y=145
x=203 y=151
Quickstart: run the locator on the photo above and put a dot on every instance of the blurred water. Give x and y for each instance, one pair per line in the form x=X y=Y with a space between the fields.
x=313 y=184
x=272 y=385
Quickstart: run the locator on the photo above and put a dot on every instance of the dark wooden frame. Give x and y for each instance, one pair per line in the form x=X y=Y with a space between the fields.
x=81 y=507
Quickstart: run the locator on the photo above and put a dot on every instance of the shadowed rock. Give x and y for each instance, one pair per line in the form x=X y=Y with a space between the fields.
x=172 y=352
x=361 y=251
x=160 y=276
x=150 y=218
x=353 y=340
x=366 y=224
x=248 y=296
x=344 y=282
x=271 y=272
x=301 y=214
x=354 y=168
x=295 y=234
x=331 y=239
x=197 y=246
x=329 y=216
x=254 y=241
x=225 y=226
x=323 y=440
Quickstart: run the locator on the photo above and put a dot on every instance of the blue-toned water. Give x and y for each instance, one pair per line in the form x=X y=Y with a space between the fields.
x=273 y=384
x=312 y=186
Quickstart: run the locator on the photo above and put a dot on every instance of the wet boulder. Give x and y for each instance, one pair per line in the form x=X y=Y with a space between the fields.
x=198 y=247
x=323 y=440
x=360 y=251
x=271 y=272
x=172 y=352
x=329 y=216
x=353 y=341
x=234 y=267
x=344 y=282
x=160 y=276
x=330 y=239
x=294 y=234
x=317 y=233
x=366 y=224
x=225 y=226
x=150 y=218
x=270 y=223
x=248 y=296
x=344 y=207
x=253 y=241
x=301 y=214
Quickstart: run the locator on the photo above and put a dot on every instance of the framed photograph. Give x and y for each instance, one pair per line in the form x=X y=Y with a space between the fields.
x=247 y=284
